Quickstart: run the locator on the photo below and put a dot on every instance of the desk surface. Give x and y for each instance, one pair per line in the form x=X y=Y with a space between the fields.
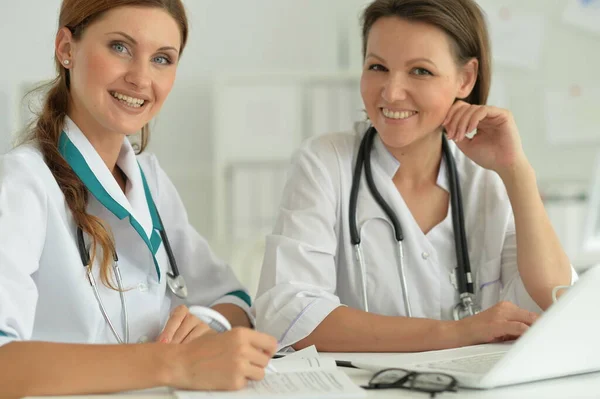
x=581 y=386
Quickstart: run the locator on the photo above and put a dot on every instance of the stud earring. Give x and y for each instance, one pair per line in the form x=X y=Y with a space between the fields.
x=66 y=62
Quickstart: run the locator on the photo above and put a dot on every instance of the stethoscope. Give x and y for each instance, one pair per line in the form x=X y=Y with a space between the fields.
x=466 y=305
x=175 y=281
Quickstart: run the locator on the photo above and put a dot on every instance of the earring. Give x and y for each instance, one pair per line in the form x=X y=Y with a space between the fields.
x=66 y=62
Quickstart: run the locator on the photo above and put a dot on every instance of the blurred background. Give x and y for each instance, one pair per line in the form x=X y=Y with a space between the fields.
x=260 y=76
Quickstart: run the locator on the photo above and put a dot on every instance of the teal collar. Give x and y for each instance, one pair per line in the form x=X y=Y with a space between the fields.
x=3 y=334
x=77 y=162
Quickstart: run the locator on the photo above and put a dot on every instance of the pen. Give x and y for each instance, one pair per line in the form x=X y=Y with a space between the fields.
x=358 y=365
x=271 y=368
x=217 y=322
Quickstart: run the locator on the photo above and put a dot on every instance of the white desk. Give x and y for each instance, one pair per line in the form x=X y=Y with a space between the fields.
x=582 y=386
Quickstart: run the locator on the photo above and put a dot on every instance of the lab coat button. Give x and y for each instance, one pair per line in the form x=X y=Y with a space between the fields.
x=425 y=255
x=143 y=339
x=142 y=287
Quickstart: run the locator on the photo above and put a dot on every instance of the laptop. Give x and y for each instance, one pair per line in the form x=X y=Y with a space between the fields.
x=564 y=341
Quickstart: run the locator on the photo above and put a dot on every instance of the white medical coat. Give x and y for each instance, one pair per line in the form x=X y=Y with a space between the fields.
x=44 y=292
x=310 y=269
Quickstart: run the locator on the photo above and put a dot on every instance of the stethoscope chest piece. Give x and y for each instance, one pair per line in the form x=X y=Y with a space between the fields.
x=466 y=307
x=177 y=285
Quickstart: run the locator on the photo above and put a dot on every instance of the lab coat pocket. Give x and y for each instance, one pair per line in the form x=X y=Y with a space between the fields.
x=488 y=283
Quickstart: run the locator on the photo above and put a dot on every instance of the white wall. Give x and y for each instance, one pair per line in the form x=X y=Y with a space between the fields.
x=28 y=38
x=236 y=37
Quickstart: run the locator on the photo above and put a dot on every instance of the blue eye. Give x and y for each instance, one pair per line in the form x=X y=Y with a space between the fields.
x=421 y=72
x=162 y=60
x=119 y=47
x=377 y=68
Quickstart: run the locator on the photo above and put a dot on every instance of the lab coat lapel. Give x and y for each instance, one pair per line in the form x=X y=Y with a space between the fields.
x=135 y=201
x=136 y=194
x=90 y=168
x=96 y=164
x=442 y=178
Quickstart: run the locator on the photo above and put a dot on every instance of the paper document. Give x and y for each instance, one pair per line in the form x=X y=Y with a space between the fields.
x=299 y=375
x=320 y=384
x=584 y=14
x=305 y=360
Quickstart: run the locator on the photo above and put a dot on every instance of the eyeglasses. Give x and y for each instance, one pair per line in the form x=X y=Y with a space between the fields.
x=431 y=383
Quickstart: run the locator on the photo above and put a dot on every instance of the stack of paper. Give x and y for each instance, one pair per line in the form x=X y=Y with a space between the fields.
x=299 y=375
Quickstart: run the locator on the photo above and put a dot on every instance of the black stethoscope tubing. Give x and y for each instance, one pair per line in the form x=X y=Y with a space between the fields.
x=85 y=256
x=174 y=279
x=363 y=160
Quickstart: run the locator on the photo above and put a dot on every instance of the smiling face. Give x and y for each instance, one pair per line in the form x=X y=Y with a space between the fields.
x=122 y=68
x=410 y=80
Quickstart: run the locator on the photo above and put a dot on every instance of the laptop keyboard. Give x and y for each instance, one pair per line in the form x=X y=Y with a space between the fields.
x=478 y=364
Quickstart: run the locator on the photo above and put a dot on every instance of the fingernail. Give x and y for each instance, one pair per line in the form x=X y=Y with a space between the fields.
x=164 y=340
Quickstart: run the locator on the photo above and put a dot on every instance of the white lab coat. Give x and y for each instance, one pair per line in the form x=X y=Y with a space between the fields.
x=310 y=269
x=44 y=292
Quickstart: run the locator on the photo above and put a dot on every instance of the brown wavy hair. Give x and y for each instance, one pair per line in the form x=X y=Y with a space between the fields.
x=462 y=20
x=45 y=130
